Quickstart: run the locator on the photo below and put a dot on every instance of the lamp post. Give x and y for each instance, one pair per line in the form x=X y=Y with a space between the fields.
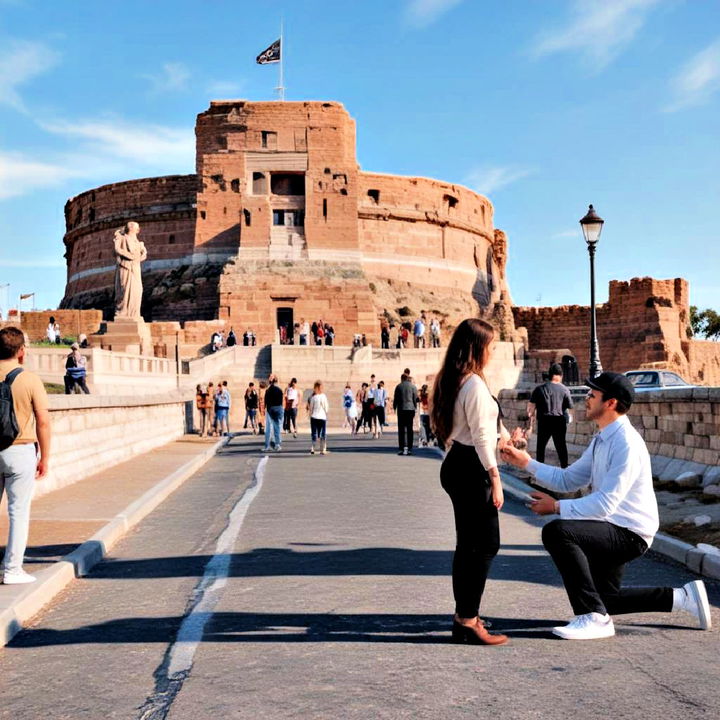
x=591 y=226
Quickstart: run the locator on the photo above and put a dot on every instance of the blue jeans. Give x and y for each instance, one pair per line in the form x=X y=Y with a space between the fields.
x=273 y=422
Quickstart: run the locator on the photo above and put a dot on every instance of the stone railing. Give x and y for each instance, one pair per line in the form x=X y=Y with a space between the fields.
x=91 y=433
x=681 y=428
x=108 y=372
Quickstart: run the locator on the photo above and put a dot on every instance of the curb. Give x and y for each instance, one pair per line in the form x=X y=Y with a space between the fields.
x=17 y=610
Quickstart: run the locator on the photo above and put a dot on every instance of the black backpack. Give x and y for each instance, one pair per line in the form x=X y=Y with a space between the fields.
x=9 y=429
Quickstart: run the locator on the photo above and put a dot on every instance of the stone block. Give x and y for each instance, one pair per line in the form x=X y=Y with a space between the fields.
x=688 y=480
x=694 y=560
x=711 y=476
x=671 y=547
x=711 y=566
x=711 y=490
x=658 y=464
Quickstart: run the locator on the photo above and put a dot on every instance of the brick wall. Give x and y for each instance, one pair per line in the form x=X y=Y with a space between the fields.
x=644 y=322
x=72 y=322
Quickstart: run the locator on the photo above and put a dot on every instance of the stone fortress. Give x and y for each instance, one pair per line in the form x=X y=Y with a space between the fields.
x=279 y=224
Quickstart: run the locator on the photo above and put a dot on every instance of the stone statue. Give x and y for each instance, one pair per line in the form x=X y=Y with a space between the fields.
x=129 y=253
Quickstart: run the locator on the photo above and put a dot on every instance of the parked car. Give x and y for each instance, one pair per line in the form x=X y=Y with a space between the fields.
x=645 y=380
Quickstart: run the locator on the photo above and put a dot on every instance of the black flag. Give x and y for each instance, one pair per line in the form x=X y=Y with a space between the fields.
x=271 y=55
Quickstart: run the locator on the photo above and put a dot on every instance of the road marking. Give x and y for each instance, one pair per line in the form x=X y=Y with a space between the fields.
x=207 y=593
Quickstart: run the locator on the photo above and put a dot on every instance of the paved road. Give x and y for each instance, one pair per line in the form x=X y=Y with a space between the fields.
x=336 y=605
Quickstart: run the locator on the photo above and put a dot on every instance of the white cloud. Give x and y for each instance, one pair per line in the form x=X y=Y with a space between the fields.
x=173 y=78
x=487 y=180
x=21 y=61
x=697 y=80
x=568 y=234
x=20 y=175
x=225 y=89
x=598 y=29
x=421 y=13
x=146 y=145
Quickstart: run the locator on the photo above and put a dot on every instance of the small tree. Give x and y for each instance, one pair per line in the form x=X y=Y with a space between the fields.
x=704 y=323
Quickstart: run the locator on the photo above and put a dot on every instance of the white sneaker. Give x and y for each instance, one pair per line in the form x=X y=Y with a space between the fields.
x=591 y=626
x=17 y=577
x=695 y=601
x=405 y=451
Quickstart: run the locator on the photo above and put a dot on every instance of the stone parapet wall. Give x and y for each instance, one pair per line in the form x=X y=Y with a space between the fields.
x=682 y=425
x=91 y=433
x=72 y=323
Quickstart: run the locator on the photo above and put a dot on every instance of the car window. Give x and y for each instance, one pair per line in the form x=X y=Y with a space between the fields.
x=671 y=379
x=643 y=379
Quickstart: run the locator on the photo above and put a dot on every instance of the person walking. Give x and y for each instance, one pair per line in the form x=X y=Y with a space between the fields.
x=405 y=400
x=596 y=535
x=466 y=416
x=211 y=409
x=362 y=401
x=380 y=403
x=222 y=413
x=350 y=408
x=426 y=435
x=304 y=331
x=251 y=407
x=551 y=404
x=385 y=337
x=261 y=407
x=292 y=401
x=202 y=403
x=317 y=408
x=273 y=415
x=20 y=464
x=75 y=371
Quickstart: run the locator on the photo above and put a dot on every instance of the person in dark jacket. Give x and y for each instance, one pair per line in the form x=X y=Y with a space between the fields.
x=274 y=414
x=405 y=400
x=551 y=405
x=75 y=371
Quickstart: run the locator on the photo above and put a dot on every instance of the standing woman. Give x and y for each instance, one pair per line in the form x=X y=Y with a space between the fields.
x=467 y=416
x=317 y=410
x=426 y=435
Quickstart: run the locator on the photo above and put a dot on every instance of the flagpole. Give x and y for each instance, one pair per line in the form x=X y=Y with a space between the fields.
x=281 y=87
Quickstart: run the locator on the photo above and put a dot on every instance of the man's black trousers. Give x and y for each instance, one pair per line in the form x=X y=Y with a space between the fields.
x=591 y=556
x=555 y=427
x=405 y=428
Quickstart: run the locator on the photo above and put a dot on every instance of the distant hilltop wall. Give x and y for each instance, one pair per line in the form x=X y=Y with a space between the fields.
x=643 y=323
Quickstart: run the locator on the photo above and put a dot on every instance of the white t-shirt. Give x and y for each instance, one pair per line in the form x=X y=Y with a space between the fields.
x=291 y=395
x=318 y=406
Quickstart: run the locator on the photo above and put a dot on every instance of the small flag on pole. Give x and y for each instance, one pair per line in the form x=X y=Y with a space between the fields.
x=25 y=297
x=270 y=55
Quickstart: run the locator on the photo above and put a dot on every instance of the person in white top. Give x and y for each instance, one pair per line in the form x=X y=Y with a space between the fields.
x=292 y=402
x=598 y=534
x=466 y=415
x=317 y=408
x=350 y=408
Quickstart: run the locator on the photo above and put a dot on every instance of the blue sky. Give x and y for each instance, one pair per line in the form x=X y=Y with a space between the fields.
x=542 y=105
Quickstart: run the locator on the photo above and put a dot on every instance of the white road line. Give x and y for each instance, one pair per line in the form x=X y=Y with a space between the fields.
x=207 y=593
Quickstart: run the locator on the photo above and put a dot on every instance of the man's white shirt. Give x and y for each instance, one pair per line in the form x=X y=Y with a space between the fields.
x=616 y=466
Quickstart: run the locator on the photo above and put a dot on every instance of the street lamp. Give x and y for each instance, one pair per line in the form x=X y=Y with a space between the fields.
x=591 y=226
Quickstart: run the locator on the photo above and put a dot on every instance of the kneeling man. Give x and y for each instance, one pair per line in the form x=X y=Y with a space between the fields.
x=597 y=535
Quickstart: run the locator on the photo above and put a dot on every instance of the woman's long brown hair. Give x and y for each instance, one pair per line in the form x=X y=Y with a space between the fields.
x=465 y=354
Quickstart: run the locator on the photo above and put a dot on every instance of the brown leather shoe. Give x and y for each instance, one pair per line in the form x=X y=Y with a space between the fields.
x=476 y=635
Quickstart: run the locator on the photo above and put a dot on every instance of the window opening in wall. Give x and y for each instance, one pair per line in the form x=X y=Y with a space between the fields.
x=325 y=208
x=91 y=215
x=171 y=240
x=268 y=139
x=343 y=191
x=327 y=171
x=235 y=185
x=203 y=214
x=287 y=184
x=259 y=183
x=289 y=218
x=248 y=217
x=374 y=195
x=451 y=201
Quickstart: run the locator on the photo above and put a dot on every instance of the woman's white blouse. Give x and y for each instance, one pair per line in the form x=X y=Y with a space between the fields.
x=475 y=420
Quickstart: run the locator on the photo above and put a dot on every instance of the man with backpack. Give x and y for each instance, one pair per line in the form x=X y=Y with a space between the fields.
x=24 y=425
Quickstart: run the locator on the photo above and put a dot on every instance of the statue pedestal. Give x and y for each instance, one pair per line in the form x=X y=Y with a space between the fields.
x=130 y=335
